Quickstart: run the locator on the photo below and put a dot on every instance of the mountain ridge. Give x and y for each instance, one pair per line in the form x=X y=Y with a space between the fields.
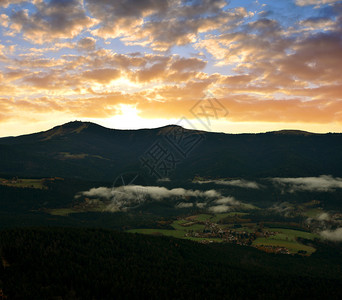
x=90 y=151
x=74 y=126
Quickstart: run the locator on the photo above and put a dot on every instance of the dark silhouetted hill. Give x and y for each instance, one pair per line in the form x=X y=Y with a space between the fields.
x=88 y=151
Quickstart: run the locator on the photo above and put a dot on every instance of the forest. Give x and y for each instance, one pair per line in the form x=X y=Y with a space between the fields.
x=66 y=263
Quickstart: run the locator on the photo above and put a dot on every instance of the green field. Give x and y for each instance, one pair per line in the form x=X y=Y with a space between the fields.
x=246 y=229
x=174 y=233
x=293 y=234
x=283 y=238
x=313 y=212
x=177 y=225
x=180 y=230
x=60 y=211
x=219 y=217
x=288 y=238
x=68 y=211
x=24 y=183
x=168 y=232
x=293 y=246
x=203 y=217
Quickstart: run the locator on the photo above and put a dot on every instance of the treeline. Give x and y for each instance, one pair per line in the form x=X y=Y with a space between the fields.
x=64 y=263
x=59 y=193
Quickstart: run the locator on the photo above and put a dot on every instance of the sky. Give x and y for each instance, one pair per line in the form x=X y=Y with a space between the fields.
x=230 y=66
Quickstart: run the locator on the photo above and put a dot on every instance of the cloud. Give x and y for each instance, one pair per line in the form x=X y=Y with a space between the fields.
x=6 y=3
x=55 y=19
x=188 y=64
x=101 y=102
x=4 y=20
x=303 y=77
x=101 y=192
x=317 y=3
x=225 y=204
x=118 y=18
x=139 y=22
x=284 y=208
x=164 y=180
x=220 y=209
x=103 y=76
x=323 y=183
x=124 y=197
x=332 y=235
x=184 y=205
x=5 y=108
x=2 y=56
x=211 y=194
x=278 y=72
x=71 y=74
x=236 y=182
x=323 y=217
x=317 y=24
x=155 y=72
x=228 y=200
x=87 y=44
x=130 y=196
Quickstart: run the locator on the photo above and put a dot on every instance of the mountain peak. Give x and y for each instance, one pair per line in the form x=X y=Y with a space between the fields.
x=65 y=129
x=291 y=132
x=74 y=124
x=168 y=128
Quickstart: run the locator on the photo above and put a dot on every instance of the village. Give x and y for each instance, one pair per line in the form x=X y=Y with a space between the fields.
x=234 y=236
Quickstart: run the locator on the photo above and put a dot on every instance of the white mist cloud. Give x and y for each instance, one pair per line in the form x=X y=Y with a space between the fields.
x=224 y=204
x=323 y=217
x=317 y=3
x=211 y=194
x=184 y=205
x=323 y=183
x=220 y=208
x=164 y=179
x=284 y=208
x=130 y=196
x=124 y=197
x=101 y=192
x=236 y=182
x=201 y=204
x=332 y=235
x=228 y=200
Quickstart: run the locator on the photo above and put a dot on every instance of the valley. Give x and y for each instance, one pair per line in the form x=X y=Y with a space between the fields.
x=91 y=208
x=231 y=228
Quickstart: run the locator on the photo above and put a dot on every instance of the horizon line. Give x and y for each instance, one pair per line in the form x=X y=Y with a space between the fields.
x=287 y=130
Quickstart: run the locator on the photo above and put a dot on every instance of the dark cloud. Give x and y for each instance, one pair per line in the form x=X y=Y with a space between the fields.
x=152 y=73
x=116 y=17
x=160 y=24
x=108 y=10
x=51 y=20
x=87 y=44
x=102 y=75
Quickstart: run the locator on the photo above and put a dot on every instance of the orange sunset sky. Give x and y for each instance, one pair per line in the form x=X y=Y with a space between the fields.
x=146 y=63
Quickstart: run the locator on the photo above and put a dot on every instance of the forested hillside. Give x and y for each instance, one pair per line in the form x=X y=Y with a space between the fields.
x=99 y=264
x=89 y=151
